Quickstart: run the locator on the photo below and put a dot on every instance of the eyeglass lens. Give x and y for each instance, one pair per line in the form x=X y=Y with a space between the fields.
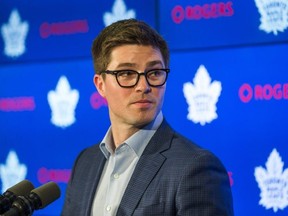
x=130 y=78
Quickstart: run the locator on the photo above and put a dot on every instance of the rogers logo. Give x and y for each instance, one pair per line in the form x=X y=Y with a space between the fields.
x=263 y=92
x=17 y=104
x=197 y=12
x=63 y=28
x=57 y=175
x=231 y=181
x=97 y=101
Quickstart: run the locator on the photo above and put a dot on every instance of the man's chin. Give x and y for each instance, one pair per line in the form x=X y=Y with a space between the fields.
x=143 y=121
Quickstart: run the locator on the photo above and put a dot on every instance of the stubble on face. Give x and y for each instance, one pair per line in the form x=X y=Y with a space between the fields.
x=139 y=105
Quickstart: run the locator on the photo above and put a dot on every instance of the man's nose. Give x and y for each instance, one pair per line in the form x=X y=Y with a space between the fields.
x=142 y=84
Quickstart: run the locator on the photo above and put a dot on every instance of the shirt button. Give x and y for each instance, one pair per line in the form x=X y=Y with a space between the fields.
x=116 y=176
x=108 y=208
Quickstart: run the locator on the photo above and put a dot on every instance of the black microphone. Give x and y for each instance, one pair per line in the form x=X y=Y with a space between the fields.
x=37 y=199
x=22 y=188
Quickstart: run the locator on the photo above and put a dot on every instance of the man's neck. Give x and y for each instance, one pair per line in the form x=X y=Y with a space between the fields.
x=122 y=131
x=120 y=134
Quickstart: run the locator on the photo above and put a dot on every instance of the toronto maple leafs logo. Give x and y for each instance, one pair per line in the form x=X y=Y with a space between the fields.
x=12 y=172
x=202 y=97
x=14 y=34
x=119 y=12
x=63 y=102
x=274 y=15
x=273 y=183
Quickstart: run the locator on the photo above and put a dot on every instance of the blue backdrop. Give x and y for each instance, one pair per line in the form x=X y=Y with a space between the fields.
x=227 y=90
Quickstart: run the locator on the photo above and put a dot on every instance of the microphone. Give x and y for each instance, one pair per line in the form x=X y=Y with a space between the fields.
x=37 y=199
x=22 y=188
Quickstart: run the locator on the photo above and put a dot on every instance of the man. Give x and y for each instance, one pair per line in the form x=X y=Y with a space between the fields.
x=142 y=166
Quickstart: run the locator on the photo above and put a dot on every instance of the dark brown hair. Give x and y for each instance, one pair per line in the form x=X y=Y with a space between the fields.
x=125 y=32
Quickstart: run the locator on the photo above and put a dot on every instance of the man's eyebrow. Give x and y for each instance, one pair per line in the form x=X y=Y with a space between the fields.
x=153 y=63
x=133 y=65
x=126 y=64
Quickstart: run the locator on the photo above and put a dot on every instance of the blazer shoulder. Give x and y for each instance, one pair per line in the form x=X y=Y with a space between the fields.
x=86 y=156
x=186 y=150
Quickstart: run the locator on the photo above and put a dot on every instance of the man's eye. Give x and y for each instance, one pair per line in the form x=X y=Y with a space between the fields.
x=155 y=73
x=126 y=73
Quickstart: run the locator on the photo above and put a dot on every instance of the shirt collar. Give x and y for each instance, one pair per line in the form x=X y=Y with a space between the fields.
x=137 y=141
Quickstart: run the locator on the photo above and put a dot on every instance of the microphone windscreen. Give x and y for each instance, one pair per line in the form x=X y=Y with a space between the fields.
x=47 y=193
x=22 y=188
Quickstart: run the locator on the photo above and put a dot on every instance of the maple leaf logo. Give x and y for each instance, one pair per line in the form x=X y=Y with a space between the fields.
x=14 y=34
x=12 y=172
x=202 y=97
x=273 y=183
x=63 y=102
x=119 y=12
x=274 y=15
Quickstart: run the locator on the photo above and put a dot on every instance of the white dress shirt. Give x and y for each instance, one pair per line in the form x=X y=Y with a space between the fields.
x=119 y=168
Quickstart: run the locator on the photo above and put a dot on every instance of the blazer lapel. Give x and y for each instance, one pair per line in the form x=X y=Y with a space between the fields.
x=94 y=177
x=148 y=165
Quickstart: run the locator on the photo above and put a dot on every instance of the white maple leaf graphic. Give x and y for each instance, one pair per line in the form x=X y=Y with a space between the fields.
x=63 y=102
x=273 y=183
x=12 y=172
x=274 y=15
x=202 y=97
x=14 y=35
x=119 y=12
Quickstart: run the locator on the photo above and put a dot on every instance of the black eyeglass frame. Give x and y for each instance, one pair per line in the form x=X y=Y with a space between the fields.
x=115 y=73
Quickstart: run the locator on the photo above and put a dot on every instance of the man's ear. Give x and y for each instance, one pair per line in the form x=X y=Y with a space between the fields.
x=99 y=84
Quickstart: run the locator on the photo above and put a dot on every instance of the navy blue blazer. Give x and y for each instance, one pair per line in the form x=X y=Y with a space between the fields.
x=173 y=177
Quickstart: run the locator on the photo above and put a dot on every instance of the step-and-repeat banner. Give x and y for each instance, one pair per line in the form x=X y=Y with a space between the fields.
x=227 y=90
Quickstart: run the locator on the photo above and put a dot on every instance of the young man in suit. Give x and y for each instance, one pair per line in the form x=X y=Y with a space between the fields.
x=142 y=166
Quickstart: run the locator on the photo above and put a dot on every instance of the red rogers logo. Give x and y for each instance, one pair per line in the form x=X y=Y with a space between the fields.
x=58 y=175
x=197 y=12
x=97 y=101
x=230 y=178
x=17 y=104
x=263 y=92
x=63 y=28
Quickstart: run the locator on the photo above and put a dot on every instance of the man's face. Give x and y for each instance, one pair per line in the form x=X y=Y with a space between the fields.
x=138 y=105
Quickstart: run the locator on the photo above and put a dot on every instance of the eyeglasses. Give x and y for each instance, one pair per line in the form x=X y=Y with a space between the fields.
x=130 y=78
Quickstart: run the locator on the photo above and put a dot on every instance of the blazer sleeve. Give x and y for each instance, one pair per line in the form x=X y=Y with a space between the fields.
x=83 y=182
x=204 y=188
x=66 y=210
